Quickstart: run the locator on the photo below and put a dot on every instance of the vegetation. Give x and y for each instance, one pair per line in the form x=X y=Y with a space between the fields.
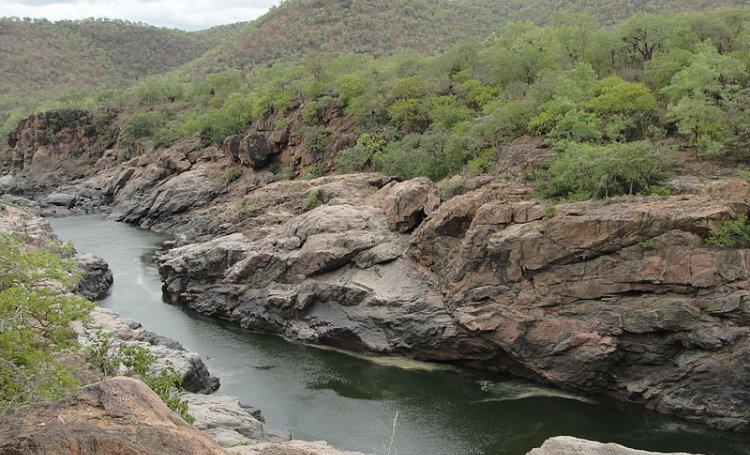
x=298 y=27
x=583 y=171
x=39 y=351
x=44 y=61
x=111 y=359
x=604 y=97
x=35 y=334
x=734 y=233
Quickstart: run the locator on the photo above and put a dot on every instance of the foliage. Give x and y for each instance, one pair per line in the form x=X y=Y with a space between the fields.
x=731 y=233
x=356 y=158
x=141 y=124
x=314 y=198
x=35 y=332
x=232 y=175
x=582 y=171
x=111 y=358
x=44 y=60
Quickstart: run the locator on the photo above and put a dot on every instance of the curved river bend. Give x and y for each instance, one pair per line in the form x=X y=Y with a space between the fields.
x=351 y=401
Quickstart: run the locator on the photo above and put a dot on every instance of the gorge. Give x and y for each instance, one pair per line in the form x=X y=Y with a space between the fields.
x=350 y=402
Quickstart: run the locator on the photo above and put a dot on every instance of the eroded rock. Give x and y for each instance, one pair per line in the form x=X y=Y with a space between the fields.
x=566 y=445
x=114 y=416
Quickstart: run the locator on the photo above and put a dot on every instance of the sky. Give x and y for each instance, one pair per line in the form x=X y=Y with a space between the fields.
x=183 y=14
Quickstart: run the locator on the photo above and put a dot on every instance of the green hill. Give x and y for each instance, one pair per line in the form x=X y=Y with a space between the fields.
x=297 y=27
x=45 y=61
x=42 y=60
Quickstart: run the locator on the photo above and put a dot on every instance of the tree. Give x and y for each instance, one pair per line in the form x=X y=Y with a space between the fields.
x=35 y=331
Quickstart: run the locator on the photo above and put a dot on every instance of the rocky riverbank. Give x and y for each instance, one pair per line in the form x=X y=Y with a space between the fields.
x=620 y=297
x=121 y=415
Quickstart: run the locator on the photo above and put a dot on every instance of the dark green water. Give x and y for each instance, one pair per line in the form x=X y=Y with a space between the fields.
x=351 y=402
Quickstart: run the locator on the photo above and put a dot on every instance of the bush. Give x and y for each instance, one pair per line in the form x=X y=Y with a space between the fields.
x=111 y=358
x=314 y=198
x=141 y=124
x=582 y=171
x=311 y=172
x=355 y=158
x=731 y=233
x=232 y=175
x=35 y=331
x=482 y=163
x=437 y=153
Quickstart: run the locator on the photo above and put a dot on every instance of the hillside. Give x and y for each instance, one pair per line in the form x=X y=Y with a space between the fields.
x=297 y=27
x=42 y=60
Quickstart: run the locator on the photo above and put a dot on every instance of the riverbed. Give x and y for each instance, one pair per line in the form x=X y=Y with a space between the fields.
x=352 y=401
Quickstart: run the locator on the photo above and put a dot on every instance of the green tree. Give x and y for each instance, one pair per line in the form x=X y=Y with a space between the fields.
x=35 y=332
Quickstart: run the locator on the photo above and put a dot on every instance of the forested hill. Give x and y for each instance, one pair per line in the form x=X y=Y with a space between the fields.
x=297 y=27
x=43 y=62
x=40 y=60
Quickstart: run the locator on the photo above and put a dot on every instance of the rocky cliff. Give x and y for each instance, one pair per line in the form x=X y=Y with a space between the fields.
x=621 y=297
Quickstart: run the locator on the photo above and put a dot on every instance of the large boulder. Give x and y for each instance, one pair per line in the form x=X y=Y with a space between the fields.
x=406 y=204
x=115 y=416
x=566 y=445
x=96 y=279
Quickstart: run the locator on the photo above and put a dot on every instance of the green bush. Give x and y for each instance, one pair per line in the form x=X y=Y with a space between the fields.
x=35 y=333
x=482 y=163
x=232 y=175
x=313 y=171
x=355 y=158
x=314 y=198
x=142 y=124
x=409 y=114
x=583 y=171
x=110 y=358
x=731 y=233
x=437 y=153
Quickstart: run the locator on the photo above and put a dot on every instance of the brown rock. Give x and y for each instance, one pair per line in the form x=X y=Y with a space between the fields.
x=118 y=416
x=406 y=204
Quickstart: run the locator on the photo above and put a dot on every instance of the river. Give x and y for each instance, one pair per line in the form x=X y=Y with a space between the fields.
x=351 y=401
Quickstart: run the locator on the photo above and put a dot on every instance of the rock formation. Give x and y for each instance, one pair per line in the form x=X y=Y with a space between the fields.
x=114 y=416
x=621 y=297
x=565 y=445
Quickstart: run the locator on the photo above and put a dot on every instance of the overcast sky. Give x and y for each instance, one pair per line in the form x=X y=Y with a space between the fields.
x=184 y=14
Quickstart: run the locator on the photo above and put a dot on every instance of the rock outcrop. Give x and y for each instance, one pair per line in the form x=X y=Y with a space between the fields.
x=195 y=376
x=96 y=279
x=622 y=297
x=565 y=445
x=114 y=416
x=51 y=148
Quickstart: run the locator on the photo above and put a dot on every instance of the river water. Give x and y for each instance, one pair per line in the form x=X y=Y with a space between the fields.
x=351 y=401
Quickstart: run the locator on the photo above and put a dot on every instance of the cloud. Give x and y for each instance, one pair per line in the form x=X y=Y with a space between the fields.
x=184 y=14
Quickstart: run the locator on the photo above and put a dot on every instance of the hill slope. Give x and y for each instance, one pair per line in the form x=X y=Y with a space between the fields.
x=43 y=59
x=380 y=26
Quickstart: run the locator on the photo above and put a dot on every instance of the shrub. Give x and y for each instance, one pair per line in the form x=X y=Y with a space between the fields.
x=35 y=331
x=731 y=233
x=582 y=171
x=314 y=198
x=482 y=163
x=436 y=153
x=449 y=188
x=311 y=172
x=232 y=175
x=111 y=358
x=409 y=114
x=355 y=158
x=141 y=124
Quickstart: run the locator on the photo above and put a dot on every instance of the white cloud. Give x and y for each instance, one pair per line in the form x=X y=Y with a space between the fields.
x=185 y=14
